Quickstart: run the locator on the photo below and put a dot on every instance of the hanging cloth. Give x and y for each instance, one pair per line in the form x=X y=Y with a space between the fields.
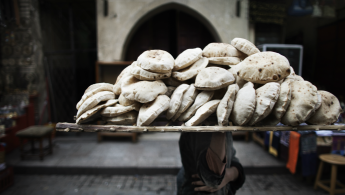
x=293 y=151
x=274 y=143
x=308 y=153
x=284 y=145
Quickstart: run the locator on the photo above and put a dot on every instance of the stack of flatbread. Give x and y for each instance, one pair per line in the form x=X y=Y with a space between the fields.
x=235 y=82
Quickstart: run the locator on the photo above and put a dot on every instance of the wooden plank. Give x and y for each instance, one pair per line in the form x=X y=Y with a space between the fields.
x=115 y=63
x=119 y=128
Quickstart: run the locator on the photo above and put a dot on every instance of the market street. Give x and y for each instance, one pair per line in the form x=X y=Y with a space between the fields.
x=285 y=184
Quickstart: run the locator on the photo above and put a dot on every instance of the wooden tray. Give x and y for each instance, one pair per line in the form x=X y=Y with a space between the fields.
x=72 y=127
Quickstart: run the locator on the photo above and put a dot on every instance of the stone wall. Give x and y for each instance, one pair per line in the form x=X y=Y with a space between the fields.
x=115 y=29
x=22 y=55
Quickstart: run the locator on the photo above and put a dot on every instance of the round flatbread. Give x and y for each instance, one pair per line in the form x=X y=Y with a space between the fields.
x=225 y=106
x=266 y=97
x=245 y=46
x=239 y=81
x=158 y=61
x=145 y=75
x=283 y=100
x=117 y=110
x=225 y=60
x=125 y=102
x=329 y=111
x=244 y=105
x=201 y=99
x=264 y=67
x=187 y=100
x=172 y=82
x=187 y=58
x=95 y=89
x=94 y=100
x=176 y=100
x=142 y=91
x=125 y=73
x=270 y=120
x=220 y=50
x=97 y=85
x=191 y=71
x=203 y=113
x=128 y=118
x=213 y=78
x=150 y=111
x=303 y=101
x=89 y=115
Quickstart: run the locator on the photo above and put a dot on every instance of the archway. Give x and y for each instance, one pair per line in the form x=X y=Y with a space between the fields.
x=172 y=30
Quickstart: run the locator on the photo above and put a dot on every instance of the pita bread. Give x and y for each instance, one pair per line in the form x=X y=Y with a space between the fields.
x=142 y=91
x=203 y=113
x=126 y=102
x=225 y=60
x=283 y=100
x=172 y=82
x=94 y=100
x=220 y=50
x=176 y=100
x=266 y=97
x=270 y=120
x=97 y=85
x=319 y=101
x=245 y=46
x=100 y=87
x=86 y=117
x=191 y=71
x=264 y=67
x=128 y=118
x=117 y=110
x=280 y=107
x=213 y=78
x=158 y=61
x=295 y=78
x=303 y=101
x=187 y=100
x=239 y=81
x=200 y=100
x=187 y=58
x=329 y=111
x=244 y=105
x=225 y=106
x=317 y=106
x=145 y=75
x=150 y=111
x=125 y=73
x=292 y=71
x=170 y=91
x=242 y=56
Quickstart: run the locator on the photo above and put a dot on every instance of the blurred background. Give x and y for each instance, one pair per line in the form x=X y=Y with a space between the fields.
x=52 y=50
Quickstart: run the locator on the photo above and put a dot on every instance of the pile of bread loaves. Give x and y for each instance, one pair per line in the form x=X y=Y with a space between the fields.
x=235 y=81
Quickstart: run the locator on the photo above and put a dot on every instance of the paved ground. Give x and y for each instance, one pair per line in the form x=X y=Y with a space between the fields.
x=151 y=151
x=147 y=185
x=158 y=150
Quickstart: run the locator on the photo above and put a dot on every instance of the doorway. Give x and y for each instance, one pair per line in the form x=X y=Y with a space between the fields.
x=70 y=52
x=172 y=30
